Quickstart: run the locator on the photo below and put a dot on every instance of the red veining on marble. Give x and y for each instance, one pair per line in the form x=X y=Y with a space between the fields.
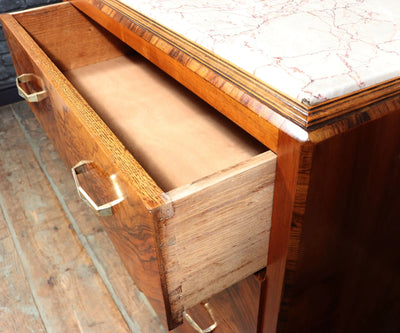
x=311 y=50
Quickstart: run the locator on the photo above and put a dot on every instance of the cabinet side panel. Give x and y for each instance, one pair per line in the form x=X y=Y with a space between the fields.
x=345 y=272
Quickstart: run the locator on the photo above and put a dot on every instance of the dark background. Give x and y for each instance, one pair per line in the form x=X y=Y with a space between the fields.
x=8 y=92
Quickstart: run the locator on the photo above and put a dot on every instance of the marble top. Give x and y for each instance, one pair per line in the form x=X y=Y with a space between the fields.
x=309 y=50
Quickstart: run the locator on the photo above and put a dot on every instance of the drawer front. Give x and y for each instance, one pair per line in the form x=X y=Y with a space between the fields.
x=180 y=247
x=78 y=134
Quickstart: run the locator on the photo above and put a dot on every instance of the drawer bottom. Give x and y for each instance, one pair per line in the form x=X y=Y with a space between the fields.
x=174 y=135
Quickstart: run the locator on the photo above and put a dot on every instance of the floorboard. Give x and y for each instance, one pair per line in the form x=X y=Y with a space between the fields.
x=68 y=271
x=18 y=311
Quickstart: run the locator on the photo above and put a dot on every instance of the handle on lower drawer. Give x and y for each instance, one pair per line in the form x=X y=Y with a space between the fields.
x=36 y=96
x=196 y=326
x=103 y=210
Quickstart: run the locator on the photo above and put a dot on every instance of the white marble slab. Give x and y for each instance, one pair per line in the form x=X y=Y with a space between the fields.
x=310 y=50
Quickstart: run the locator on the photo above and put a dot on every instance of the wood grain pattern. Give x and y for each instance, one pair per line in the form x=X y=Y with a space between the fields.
x=254 y=117
x=76 y=123
x=81 y=135
x=340 y=262
x=325 y=122
x=219 y=234
x=83 y=43
x=52 y=257
x=351 y=275
x=132 y=303
x=18 y=312
x=292 y=157
x=363 y=115
x=332 y=256
x=234 y=309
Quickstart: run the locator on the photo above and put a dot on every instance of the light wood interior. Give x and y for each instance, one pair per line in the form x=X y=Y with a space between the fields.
x=219 y=234
x=70 y=38
x=174 y=135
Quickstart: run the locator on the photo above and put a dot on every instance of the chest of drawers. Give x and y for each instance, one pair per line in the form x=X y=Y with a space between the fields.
x=195 y=201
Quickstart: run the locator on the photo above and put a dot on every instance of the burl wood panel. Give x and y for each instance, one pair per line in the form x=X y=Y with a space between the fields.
x=342 y=263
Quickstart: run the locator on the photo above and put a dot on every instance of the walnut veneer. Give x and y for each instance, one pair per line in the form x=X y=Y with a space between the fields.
x=332 y=261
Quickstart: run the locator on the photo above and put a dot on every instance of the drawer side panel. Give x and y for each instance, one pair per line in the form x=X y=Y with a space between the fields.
x=79 y=134
x=220 y=232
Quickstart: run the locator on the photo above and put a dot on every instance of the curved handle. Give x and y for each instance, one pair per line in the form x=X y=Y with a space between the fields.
x=196 y=326
x=34 y=97
x=103 y=210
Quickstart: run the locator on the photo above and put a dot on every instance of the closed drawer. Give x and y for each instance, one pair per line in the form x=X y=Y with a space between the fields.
x=189 y=192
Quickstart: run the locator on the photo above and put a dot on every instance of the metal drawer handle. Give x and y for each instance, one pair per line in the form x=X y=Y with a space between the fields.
x=192 y=323
x=34 y=97
x=103 y=210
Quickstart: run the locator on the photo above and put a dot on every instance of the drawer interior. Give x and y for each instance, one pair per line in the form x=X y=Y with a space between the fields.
x=202 y=219
x=172 y=133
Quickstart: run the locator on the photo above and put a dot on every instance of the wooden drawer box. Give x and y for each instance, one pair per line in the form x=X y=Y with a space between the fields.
x=190 y=193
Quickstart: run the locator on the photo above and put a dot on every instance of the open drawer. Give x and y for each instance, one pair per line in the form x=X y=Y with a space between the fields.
x=186 y=196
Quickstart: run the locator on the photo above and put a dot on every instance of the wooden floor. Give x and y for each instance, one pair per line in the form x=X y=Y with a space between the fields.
x=59 y=271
